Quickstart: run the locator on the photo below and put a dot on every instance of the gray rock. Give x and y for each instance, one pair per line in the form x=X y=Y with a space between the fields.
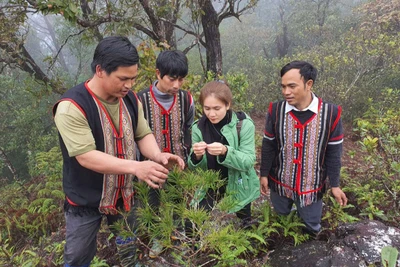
x=367 y=238
x=357 y=244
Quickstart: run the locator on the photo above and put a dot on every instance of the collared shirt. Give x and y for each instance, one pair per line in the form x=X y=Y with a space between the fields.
x=312 y=107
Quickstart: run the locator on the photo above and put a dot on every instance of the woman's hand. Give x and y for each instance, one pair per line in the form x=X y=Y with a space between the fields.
x=217 y=149
x=199 y=149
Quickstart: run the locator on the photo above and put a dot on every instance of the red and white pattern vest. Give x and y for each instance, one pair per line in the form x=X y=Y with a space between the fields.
x=168 y=126
x=87 y=188
x=299 y=171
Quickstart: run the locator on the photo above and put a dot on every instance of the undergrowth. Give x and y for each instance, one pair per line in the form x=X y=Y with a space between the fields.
x=32 y=222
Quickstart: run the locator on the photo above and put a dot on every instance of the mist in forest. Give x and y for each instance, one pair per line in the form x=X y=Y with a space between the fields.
x=261 y=30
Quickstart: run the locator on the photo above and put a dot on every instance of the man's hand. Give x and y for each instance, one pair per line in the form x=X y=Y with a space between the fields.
x=216 y=149
x=264 y=185
x=199 y=149
x=339 y=195
x=169 y=160
x=152 y=173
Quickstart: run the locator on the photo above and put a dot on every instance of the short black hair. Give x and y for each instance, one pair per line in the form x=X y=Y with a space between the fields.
x=307 y=71
x=113 y=52
x=172 y=63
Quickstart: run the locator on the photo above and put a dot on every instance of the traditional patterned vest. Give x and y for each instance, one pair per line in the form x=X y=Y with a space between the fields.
x=299 y=171
x=168 y=126
x=84 y=187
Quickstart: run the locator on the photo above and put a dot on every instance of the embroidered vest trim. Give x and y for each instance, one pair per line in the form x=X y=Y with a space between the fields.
x=168 y=126
x=301 y=153
x=120 y=145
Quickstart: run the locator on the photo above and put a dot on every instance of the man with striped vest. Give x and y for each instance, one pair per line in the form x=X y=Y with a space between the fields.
x=169 y=111
x=100 y=122
x=301 y=148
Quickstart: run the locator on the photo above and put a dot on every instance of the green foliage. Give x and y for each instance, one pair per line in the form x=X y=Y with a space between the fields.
x=21 y=107
x=49 y=163
x=96 y=262
x=336 y=214
x=370 y=200
x=32 y=211
x=31 y=217
x=213 y=235
x=354 y=52
x=389 y=256
x=291 y=226
x=229 y=243
x=175 y=198
x=47 y=252
x=265 y=228
x=378 y=192
x=147 y=72
x=68 y=9
x=238 y=83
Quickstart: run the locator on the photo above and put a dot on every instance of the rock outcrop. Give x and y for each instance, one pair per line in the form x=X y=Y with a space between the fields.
x=357 y=244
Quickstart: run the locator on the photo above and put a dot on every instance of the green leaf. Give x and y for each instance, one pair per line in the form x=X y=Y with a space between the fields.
x=389 y=256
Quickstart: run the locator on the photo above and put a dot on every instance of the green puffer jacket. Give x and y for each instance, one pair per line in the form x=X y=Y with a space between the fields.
x=240 y=158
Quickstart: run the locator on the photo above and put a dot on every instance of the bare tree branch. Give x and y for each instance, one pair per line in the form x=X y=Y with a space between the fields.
x=203 y=66
x=231 y=11
x=195 y=34
x=61 y=47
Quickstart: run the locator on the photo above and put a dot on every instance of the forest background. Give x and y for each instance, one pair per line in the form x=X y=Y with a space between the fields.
x=46 y=47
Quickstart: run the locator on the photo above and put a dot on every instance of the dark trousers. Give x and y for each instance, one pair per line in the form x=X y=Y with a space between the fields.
x=311 y=214
x=82 y=226
x=154 y=199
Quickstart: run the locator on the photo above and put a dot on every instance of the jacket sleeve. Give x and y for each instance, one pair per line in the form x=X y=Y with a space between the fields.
x=334 y=149
x=196 y=137
x=243 y=157
x=191 y=112
x=269 y=146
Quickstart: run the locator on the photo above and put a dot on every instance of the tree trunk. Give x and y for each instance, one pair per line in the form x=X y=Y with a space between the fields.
x=162 y=30
x=282 y=40
x=322 y=8
x=210 y=23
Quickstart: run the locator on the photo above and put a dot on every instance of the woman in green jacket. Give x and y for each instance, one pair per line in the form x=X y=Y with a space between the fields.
x=217 y=146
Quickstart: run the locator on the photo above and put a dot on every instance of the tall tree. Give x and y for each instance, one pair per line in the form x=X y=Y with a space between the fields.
x=282 y=39
x=159 y=20
x=212 y=15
